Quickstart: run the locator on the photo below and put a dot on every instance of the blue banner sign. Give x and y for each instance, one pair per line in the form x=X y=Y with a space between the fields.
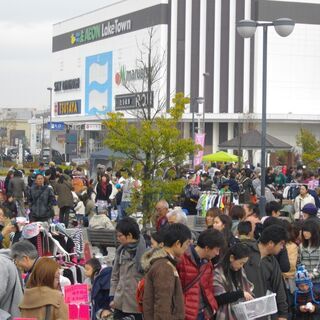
x=56 y=126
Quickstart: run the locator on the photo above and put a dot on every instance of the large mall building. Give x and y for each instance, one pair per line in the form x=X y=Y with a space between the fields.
x=96 y=60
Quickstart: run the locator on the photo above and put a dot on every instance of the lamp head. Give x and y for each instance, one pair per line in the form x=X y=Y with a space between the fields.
x=200 y=100
x=284 y=26
x=246 y=28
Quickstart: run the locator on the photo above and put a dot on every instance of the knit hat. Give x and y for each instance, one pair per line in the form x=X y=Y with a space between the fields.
x=310 y=208
x=302 y=276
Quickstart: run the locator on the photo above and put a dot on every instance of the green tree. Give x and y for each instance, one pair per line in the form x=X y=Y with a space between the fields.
x=153 y=145
x=310 y=148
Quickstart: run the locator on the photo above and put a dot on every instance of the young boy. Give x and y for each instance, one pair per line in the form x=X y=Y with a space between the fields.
x=306 y=299
x=163 y=295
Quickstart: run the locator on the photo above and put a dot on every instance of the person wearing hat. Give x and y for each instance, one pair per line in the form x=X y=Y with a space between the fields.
x=306 y=299
x=310 y=213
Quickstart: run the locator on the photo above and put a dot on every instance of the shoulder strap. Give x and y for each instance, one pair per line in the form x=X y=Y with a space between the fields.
x=48 y=315
x=193 y=281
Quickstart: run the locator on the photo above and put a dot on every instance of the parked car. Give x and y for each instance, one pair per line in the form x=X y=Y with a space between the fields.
x=56 y=156
x=13 y=153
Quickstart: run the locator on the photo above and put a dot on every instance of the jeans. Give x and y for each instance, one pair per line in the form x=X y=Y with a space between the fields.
x=124 y=205
x=64 y=215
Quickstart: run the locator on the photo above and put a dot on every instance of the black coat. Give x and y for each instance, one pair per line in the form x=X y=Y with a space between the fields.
x=101 y=195
x=265 y=274
x=41 y=200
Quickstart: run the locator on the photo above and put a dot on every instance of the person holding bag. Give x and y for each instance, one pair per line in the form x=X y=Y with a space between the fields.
x=230 y=281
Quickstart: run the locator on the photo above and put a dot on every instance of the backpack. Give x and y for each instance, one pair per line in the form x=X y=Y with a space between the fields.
x=139 y=295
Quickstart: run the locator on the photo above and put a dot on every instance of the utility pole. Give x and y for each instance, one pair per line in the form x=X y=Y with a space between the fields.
x=50 y=117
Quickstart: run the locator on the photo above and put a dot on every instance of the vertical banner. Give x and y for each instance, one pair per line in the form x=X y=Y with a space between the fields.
x=199 y=139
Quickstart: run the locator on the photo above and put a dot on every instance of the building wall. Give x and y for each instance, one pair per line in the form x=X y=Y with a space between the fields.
x=102 y=65
x=199 y=36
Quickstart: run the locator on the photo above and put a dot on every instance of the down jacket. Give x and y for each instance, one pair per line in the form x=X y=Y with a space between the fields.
x=188 y=270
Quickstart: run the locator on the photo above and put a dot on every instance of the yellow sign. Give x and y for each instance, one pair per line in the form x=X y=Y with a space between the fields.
x=69 y=107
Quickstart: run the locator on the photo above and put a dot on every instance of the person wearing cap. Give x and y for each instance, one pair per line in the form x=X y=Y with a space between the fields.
x=310 y=213
x=306 y=299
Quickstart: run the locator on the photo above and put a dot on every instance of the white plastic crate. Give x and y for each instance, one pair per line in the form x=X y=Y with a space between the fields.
x=256 y=308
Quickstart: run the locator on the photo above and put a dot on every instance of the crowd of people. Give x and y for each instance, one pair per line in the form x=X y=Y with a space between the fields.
x=172 y=271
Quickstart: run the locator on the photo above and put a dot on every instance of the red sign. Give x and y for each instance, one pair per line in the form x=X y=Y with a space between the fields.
x=77 y=293
x=81 y=312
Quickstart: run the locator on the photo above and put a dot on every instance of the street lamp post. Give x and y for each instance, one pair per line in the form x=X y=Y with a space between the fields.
x=247 y=29
x=42 y=137
x=205 y=75
x=50 y=117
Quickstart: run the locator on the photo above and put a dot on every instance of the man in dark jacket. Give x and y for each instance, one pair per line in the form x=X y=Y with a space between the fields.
x=41 y=200
x=263 y=269
x=163 y=296
x=17 y=188
x=196 y=274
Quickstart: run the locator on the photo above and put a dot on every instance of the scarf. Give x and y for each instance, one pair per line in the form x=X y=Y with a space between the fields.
x=135 y=250
x=104 y=188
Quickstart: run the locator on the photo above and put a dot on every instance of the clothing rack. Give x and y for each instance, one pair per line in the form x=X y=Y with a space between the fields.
x=209 y=199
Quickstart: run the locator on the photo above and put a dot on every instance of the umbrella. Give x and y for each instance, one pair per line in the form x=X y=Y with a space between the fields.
x=220 y=156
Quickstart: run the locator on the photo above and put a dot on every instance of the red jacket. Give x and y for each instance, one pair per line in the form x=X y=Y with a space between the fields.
x=188 y=270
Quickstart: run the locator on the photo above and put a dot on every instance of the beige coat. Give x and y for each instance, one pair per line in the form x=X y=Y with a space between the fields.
x=35 y=300
x=292 y=249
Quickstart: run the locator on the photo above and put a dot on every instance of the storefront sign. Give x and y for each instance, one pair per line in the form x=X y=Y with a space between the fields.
x=67 y=84
x=133 y=100
x=69 y=107
x=102 y=30
x=125 y=76
x=156 y=15
x=92 y=127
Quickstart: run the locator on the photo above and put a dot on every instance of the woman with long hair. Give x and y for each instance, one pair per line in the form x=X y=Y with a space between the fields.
x=309 y=251
x=237 y=214
x=104 y=190
x=230 y=281
x=42 y=297
x=100 y=287
x=223 y=223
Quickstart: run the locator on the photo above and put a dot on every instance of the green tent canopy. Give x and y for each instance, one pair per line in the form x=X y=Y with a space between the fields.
x=220 y=156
